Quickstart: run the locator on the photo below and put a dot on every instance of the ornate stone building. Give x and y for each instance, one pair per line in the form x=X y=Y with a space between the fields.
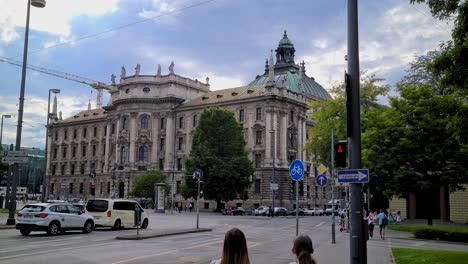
x=150 y=120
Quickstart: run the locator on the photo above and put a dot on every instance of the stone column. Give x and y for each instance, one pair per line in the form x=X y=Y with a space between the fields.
x=106 y=157
x=154 y=146
x=268 y=136
x=133 y=136
x=284 y=138
x=304 y=137
x=170 y=134
x=412 y=205
x=275 y=127
x=117 y=127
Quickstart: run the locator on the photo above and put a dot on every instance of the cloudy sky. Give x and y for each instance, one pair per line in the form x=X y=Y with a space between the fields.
x=227 y=40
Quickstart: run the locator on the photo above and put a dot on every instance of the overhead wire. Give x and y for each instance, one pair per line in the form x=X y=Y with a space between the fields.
x=115 y=28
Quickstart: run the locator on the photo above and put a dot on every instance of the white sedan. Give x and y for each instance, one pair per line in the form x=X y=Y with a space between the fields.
x=313 y=211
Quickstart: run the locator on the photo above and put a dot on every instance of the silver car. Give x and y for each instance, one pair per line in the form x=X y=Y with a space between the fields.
x=52 y=218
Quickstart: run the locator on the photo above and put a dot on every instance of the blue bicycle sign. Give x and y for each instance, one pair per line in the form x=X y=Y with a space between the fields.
x=296 y=170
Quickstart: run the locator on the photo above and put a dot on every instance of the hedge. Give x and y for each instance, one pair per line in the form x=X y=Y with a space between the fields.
x=440 y=234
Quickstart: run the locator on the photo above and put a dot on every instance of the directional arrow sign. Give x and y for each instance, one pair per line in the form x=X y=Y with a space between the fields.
x=321 y=180
x=14 y=153
x=14 y=159
x=353 y=176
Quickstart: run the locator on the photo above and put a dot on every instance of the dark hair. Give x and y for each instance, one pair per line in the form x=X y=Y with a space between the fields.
x=235 y=248
x=303 y=249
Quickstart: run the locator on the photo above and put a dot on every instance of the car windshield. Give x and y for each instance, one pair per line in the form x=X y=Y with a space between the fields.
x=33 y=208
x=97 y=206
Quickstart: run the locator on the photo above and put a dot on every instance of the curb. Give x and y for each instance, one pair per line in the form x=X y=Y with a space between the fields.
x=7 y=227
x=164 y=233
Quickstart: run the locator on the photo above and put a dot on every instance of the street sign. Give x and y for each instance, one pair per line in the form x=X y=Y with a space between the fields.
x=321 y=180
x=92 y=174
x=274 y=186
x=322 y=169
x=14 y=159
x=353 y=176
x=296 y=170
x=197 y=174
x=13 y=153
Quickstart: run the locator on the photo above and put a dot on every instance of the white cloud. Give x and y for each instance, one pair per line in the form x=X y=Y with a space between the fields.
x=55 y=18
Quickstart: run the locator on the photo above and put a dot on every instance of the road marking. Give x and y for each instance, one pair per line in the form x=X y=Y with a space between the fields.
x=319 y=225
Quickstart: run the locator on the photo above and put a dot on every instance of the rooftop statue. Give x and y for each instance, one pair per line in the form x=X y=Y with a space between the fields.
x=113 y=79
x=159 y=70
x=137 y=70
x=122 y=73
x=207 y=80
x=171 y=68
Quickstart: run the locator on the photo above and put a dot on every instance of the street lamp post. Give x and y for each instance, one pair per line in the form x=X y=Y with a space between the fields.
x=332 y=167
x=273 y=183
x=11 y=215
x=1 y=129
x=44 y=183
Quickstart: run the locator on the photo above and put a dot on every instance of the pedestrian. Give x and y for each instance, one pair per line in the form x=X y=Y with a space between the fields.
x=190 y=207
x=370 y=221
x=383 y=221
x=234 y=249
x=303 y=249
x=398 y=218
x=270 y=211
x=180 y=207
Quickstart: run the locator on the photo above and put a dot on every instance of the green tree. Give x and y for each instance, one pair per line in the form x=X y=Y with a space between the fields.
x=218 y=149
x=143 y=186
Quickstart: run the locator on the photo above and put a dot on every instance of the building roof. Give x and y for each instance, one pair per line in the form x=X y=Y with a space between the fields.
x=285 y=41
x=86 y=115
x=225 y=95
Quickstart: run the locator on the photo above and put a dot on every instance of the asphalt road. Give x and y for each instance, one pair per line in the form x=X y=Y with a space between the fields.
x=269 y=241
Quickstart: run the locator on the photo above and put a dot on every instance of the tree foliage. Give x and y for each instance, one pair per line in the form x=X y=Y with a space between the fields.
x=143 y=186
x=218 y=149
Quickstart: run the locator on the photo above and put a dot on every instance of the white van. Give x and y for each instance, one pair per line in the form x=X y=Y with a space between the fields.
x=115 y=213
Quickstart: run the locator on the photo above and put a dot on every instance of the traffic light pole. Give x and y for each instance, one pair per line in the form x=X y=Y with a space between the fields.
x=332 y=184
x=198 y=207
x=358 y=251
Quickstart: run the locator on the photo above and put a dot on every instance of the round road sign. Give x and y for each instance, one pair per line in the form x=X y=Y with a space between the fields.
x=296 y=170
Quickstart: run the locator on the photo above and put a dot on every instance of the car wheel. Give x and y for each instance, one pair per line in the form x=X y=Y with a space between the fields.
x=25 y=231
x=54 y=229
x=264 y=214
x=144 y=225
x=117 y=225
x=88 y=227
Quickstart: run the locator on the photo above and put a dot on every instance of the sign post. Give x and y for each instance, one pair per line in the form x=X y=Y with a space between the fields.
x=137 y=219
x=198 y=174
x=296 y=170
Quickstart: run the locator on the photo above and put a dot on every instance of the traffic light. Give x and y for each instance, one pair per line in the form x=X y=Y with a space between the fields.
x=341 y=153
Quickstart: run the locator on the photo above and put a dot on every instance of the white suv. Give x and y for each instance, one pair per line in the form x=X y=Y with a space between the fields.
x=52 y=218
x=115 y=213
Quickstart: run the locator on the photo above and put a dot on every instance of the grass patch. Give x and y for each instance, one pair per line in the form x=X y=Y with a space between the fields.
x=419 y=256
x=456 y=233
x=442 y=228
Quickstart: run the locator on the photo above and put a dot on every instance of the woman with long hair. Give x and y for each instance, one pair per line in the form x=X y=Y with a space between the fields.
x=303 y=250
x=234 y=249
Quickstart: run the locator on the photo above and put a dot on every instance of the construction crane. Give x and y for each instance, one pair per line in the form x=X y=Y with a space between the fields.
x=99 y=86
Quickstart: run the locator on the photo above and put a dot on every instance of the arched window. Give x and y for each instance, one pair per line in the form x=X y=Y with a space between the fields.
x=144 y=122
x=125 y=123
x=143 y=154
x=123 y=154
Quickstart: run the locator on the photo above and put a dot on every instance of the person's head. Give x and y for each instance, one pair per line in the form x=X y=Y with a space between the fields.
x=303 y=249
x=381 y=210
x=235 y=248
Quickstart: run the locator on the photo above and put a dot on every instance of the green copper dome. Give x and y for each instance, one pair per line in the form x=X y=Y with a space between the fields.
x=285 y=41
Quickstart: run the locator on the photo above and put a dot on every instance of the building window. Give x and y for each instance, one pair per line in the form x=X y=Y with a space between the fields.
x=113 y=129
x=259 y=113
x=162 y=125
x=81 y=187
x=308 y=191
x=161 y=144
x=301 y=188
x=83 y=151
x=64 y=152
x=74 y=133
x=73 y=152
x=72 y=169
x=85 y=132
x=108 y=187
x=144 y=122
x=180 y=143
x=258 y=184
x=291 y=139
x=258 y=160
x=291 y=116
x=62 y=170
x=258 y=137
x=195 y=120
x=65 y=134
x=53 y=169
x=323 y=192
x=123 y=154
x=104 y=149
x=241 y=115
x=82 y=168
x=177 y=187
x=181 y=122
x=93 y=166
x=95 y=132
x=161 y=164
x=94 y=150
x=105 y=131
x=70 y=190
x=316 y=191
x=143 y=154
x=101 y=188
x=52 y=188
x=291 y=158
x=56 y=135
x=125 y=123
x=146 y=90
x=55 y=153
x=179 y=164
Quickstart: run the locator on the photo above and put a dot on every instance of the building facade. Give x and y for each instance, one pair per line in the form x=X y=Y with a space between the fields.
x=150 y=120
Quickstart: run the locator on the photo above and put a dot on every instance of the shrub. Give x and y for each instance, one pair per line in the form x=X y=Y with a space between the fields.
x=436 y=233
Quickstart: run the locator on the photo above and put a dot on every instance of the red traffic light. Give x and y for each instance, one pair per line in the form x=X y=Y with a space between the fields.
x=341 y=151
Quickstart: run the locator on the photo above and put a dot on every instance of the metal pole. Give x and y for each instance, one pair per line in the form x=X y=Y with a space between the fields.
x=357 y=247
x=198 y=198
x=1 y=134
x=332 y=167
x=273 y=175
x=297 y=208
x=7 y=194
x=11 y=215
x=44 y=184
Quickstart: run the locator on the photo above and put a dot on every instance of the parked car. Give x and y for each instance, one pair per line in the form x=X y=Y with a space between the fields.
x=52 y=218
x=226 y=211
x=262 y=210
x=115 y=213
x=279 y=211
x=79 y=206
x=238 y=211
x=250 y=211
x=293 y=212
x=314 y=211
